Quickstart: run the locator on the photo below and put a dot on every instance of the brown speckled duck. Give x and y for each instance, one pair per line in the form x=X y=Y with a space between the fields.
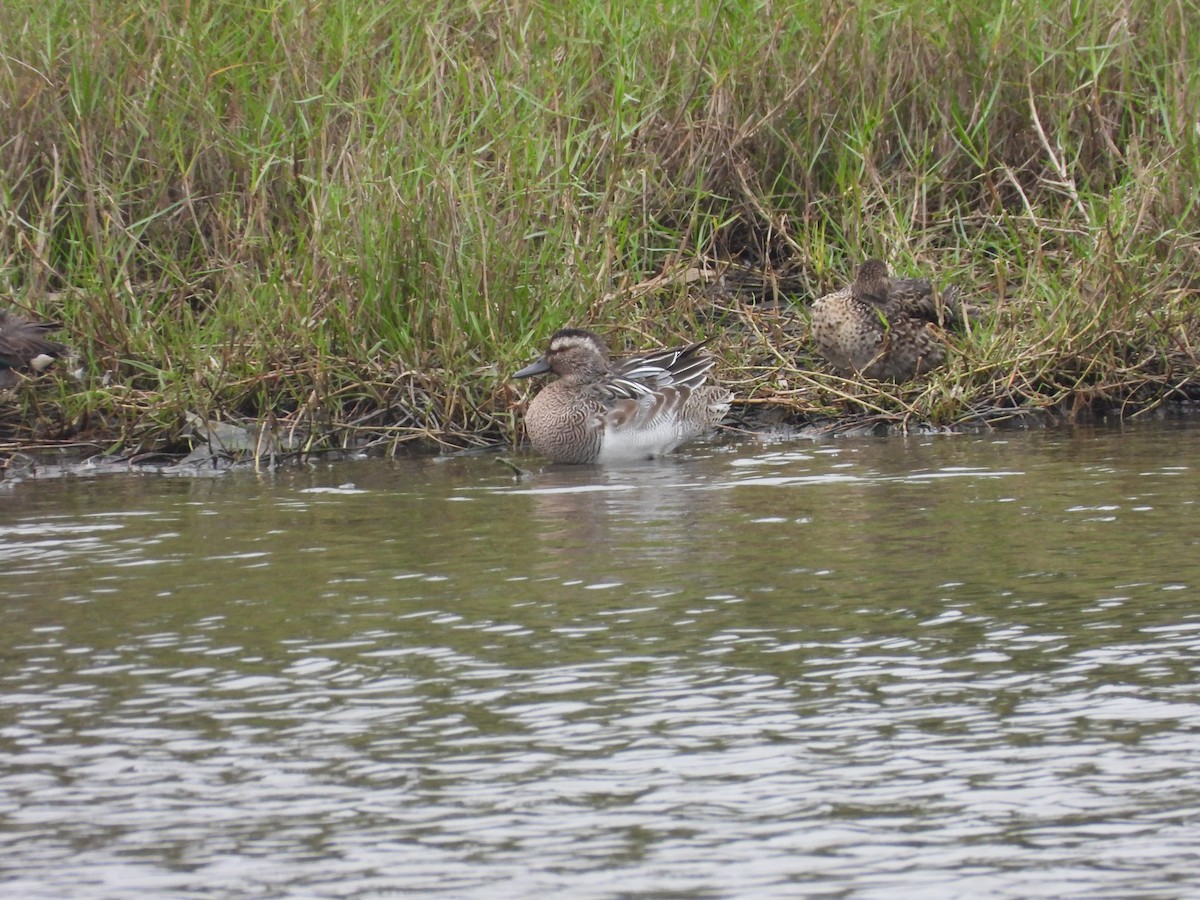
x=600 y=411
x=24 y=346
x=883 y=327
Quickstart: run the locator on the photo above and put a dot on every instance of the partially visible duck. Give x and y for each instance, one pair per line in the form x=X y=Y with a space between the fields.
x=24 y=346
x=882 y=327
x=600 y=411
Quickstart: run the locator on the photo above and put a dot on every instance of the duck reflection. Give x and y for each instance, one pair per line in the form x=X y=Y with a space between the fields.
x=609 y=519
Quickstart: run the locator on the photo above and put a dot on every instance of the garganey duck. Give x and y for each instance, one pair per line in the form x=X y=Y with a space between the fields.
x=24 y=346
x=603 y=411
x=883 y=327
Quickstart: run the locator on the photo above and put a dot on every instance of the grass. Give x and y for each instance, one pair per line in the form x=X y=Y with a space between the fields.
x=351 y=221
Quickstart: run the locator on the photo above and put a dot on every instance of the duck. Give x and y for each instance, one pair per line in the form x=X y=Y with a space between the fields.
x=883 y=327
x=24 y=346
x=604 y=411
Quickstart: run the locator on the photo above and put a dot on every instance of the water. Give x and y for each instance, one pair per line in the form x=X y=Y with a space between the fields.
x=931 y=667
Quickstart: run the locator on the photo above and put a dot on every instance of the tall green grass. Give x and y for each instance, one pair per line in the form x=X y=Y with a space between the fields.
x=357 y=218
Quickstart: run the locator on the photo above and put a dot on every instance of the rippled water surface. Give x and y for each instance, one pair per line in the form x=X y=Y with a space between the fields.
x=875 y=667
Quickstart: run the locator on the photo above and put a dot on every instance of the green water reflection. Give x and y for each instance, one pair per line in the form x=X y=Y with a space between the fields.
x=955 y=664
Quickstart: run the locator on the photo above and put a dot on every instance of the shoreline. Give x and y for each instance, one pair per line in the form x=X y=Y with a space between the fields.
x=217 y=445
x=765 y=355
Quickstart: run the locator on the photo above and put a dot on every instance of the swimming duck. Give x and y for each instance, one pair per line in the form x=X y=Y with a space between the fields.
x=23 y=345
x=882 y=327
x=600 y=411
